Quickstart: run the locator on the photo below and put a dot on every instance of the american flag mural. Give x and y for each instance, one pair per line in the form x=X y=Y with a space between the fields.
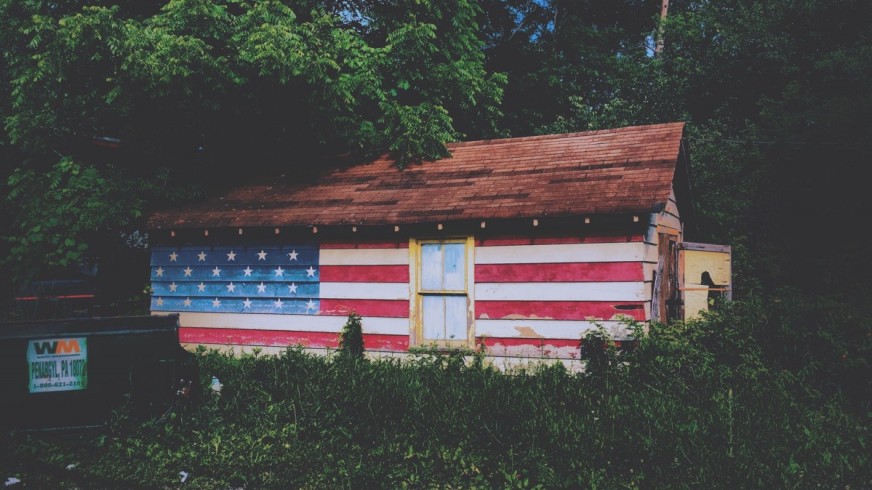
x=284 y=294
x=278 y=280
x=531 y=296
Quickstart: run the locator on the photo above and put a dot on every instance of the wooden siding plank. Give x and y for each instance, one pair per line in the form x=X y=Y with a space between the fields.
x=388 y=256
x=566 y=291
x=556 y=310
x=568 y=272
x=547 y=329
x=250 y=337
x=362 y=290
x=365 y=273
x=528 y=240
x=362 y=245
x=561 y=253
x=303 y=323
x=366 y=307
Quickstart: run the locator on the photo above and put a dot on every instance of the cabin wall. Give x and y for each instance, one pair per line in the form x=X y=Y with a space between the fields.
x=533 y=297
x=537 y=297
x=662 y=262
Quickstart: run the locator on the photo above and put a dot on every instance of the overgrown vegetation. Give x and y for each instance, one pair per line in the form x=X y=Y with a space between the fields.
x=690 y=405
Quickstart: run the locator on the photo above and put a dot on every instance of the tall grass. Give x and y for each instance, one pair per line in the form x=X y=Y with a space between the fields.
x=690 y=405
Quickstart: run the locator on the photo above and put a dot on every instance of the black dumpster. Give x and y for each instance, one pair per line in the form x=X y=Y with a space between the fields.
x=70 y=373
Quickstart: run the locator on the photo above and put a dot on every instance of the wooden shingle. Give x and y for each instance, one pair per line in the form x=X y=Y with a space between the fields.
x=625 y=170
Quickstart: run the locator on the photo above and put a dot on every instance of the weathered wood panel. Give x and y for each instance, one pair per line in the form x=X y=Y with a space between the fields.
x=563 y=291
x=559 y=310
x=303 y=323
x=561 y=253
x=362 y=290
x=547 y=329
x=365 y=307
x=365 y=273
x=283 y=338
x=376 y=256
x=568 y=272
x=707 y=274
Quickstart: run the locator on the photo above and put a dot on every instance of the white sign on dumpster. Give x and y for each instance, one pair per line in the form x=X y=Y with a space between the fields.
x=57 y=364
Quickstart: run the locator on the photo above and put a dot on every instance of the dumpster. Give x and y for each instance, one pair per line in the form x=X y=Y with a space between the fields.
x=69 y=373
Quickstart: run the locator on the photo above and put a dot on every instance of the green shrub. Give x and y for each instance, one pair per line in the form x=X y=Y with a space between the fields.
x=351 y=337
x=693 y=404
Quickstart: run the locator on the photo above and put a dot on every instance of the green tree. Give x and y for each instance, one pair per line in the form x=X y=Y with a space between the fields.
x=203 y=93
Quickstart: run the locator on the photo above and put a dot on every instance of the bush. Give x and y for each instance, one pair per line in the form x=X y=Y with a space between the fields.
x=692 y=405
x=351 y=337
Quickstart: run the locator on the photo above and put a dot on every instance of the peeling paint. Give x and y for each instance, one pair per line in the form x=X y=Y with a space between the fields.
x=516 y=316
x=528 y=333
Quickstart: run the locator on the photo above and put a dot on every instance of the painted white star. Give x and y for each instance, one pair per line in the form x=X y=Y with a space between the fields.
x=159 y=272
x=279 y=272
x=202 y=256
x=201 y=287
x=310 y=305
x=188 y=271
x=292 y=289
x=278 y=303
x=187 y=302
x=216 y=303
x=261 y=255
x=247 y=271
x=246 y=303
x=216 y=272
x=293 y=255
x=261 y=288
x=231 y=288
x=231 y=256
x=310 y=272
x=159 y=302
x=173 y=257
x=173 y=287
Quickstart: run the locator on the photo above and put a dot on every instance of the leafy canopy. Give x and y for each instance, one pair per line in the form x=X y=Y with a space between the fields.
x=203 y=93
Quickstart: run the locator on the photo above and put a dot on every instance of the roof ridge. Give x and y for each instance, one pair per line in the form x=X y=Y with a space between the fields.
x=546 y=137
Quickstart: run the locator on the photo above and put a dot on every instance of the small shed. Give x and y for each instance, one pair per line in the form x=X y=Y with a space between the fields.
x=520 y=245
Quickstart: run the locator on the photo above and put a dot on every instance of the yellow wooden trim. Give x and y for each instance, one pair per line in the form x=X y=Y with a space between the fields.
x=416 y=325
x=470 y=291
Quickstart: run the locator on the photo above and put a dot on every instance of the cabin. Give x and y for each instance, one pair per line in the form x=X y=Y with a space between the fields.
x=518 y=246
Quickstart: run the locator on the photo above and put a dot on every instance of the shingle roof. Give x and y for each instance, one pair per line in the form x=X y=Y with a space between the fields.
x=625 y=170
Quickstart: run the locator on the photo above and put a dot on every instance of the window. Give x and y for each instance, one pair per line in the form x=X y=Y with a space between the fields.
x=442 y=281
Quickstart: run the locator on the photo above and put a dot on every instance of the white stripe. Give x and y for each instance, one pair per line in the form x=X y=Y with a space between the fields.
x=368 y=256
x=293 y=323
x=547 y=329
x=561 y=253
x=365 y=290
x=651 y=252
x=560 y=291
x=648 y=270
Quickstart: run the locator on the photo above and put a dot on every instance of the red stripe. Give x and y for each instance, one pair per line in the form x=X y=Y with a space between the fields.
x=365 y=273
x=365 y=307
x=69 y=296
x=557 y=310
x=281 y=338
x=501 y=241
x=568 y=272
x=364 y=245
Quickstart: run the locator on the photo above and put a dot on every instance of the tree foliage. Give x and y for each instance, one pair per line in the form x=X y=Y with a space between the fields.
x=202 y=93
